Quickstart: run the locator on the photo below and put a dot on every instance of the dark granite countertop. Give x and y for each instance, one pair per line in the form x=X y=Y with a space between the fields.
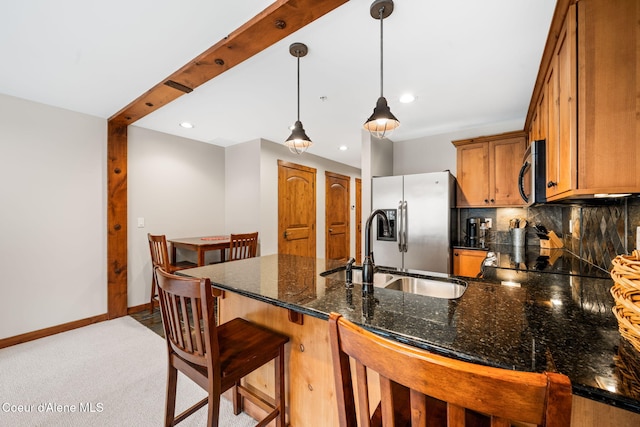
x=537 y=259
x=512 y=318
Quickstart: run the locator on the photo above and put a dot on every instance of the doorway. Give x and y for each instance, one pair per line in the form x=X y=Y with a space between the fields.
x=337 y=215
x=296 y=209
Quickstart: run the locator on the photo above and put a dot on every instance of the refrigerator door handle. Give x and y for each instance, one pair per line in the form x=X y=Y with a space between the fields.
x=405 y=245
x=399 y=226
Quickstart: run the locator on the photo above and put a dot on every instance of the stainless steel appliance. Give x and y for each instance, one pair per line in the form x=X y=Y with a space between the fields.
x=473 y=231
x=421 y=212
x=533 y=174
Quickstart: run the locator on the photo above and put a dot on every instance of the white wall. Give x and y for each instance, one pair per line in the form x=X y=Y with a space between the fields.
x=242 y=191
x=178 y=186
x=376 y=160
x=271 y=152
x=53 y=220
x=53 y=192
x=436 y=153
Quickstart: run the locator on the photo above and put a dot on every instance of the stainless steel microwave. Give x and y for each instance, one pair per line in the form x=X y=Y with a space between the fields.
x=533 y=174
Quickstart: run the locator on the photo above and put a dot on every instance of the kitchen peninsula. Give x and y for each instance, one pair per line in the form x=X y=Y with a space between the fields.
x=547 y=322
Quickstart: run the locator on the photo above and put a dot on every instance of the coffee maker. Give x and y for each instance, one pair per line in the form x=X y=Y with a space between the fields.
x=473 y=230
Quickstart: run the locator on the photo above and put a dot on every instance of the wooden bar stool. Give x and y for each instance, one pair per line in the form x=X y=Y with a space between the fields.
x=417 y=386
x=160 y=258
x=215 y=357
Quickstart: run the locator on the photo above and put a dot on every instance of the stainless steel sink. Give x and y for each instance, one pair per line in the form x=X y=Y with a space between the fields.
x=379 y=279
x=446 y=288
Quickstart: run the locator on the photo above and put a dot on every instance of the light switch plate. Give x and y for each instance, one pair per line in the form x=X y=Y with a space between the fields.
x=141 y=222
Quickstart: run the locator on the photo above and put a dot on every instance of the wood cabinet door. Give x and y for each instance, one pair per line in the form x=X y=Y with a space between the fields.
x=296 y=209
x=567 y=113
x=552 y=144
x=473 y=173
x=560 y=91
x=609 y=96
x=337 y=213
x=467 y=262
x=506 y=159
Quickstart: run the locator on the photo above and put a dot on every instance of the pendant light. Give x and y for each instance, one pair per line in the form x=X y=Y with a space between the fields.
x=382 y=122
x=298 y=141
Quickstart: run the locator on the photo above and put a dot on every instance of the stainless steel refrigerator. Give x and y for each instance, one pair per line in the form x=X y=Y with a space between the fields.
x=421 y=209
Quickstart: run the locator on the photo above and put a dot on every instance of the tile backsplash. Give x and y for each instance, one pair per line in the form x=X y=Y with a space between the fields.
x=597 y=231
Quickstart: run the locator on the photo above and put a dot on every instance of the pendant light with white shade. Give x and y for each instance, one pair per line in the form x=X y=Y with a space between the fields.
x=298 y=141
x=382 y=122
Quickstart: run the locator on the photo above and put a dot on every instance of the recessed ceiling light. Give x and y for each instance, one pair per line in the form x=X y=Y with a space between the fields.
x=343 y=148
x=186 y=125
x=407 y=98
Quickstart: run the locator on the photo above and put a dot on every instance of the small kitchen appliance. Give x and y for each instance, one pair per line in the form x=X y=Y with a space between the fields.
x=473 y=231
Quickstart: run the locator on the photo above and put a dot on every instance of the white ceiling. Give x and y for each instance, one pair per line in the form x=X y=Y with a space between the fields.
x=470 y=63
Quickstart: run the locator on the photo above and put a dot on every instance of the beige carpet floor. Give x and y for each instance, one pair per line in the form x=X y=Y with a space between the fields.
x=112 y=373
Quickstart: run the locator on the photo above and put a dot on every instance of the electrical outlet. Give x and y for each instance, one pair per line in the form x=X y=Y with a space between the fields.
x=488 y=222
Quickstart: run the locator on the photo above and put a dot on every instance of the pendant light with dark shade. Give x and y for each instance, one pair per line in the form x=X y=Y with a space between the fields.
x=298 y=141
x=382 y=122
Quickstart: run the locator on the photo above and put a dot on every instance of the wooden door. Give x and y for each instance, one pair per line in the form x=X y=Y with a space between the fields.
x=296 y=209
x=467 y=262
x=337 y=213
x=358 y=221
x=560 y=93
x=473 y=173
x=567 y=112
x=552 y=147
x=506 y=159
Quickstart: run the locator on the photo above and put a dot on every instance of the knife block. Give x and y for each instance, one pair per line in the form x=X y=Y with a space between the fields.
x=553 y=242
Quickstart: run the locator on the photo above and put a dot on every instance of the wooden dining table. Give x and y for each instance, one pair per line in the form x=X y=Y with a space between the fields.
x=200 y=245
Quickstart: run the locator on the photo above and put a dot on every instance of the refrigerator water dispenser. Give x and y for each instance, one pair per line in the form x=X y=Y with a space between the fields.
x=391 y=215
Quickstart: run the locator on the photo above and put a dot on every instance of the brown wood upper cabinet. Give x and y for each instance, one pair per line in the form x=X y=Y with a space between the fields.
x=488 y=170
x=585 y=101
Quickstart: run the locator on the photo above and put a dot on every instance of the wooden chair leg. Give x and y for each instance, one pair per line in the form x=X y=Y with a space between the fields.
x=153 y=292
x=170 y=407
x=279 y=388
x=213 y=410
x=237 y=399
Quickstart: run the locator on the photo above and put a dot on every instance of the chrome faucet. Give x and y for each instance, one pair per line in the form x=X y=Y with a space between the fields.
x=368 y=266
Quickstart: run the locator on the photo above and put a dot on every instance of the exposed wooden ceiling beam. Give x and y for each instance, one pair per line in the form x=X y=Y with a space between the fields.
x=273 y=24
x=276 y=22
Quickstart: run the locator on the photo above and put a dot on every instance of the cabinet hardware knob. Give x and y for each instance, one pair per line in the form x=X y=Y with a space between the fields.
x=455 y=254
x=486 y=200
x=302 y=348
x=551 y=184
x=493 y=201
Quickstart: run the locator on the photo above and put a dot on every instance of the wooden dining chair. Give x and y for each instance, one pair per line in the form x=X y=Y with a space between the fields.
x=243 y=246
x=160 y=258
x=417 y=386
x=216 y=357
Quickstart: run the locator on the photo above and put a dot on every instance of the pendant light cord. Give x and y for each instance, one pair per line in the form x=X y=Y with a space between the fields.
x=381 y=50
x=298 y=56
